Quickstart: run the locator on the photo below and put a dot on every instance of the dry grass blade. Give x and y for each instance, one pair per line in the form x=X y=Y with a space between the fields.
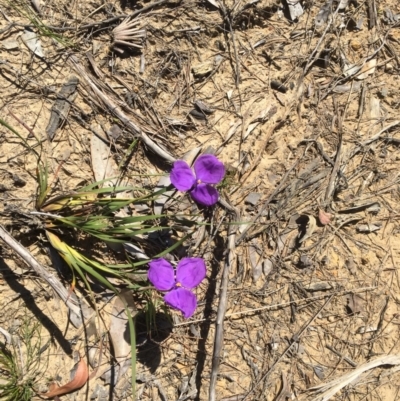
x=328 y=390
x=295 y=339
x=117 y=111
x=128 y=34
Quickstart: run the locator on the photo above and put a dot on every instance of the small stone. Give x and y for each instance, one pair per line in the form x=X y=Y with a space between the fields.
x=388 y=67
x=325 y=260
x=114 y=132
x=272 y=178
x=383 y=92
x=366 y=329
x=10 y=44
x=318 y=286
x=209 y=150
x=203 y=69
x=267 y=267
x=141 y=207
x=305 y=261
x=355 y=44
x=253 y=198
x=319 y=371
x=359 y=24
x=18 y=181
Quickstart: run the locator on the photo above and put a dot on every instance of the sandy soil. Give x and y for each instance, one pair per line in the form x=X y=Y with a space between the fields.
x=304 y=115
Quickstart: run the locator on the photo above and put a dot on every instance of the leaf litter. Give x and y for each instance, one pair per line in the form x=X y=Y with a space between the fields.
x=306 y=106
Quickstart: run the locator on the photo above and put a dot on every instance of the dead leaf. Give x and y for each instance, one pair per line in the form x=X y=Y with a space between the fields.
x=369 y=228
x=285 y=392
x=256 y=261
x=214 y=3
x=79 y=380
x=267 y=267
x=120 y=337
x=353 y=86
x=295 y=9
x=367 y=69
x=319 y=371
x=324 y=218
x=104 y=167
x=323 y=14
x=162 y=199
x=112 y=374
x=354 y=303
x=103 y=164
x=119 y=329
x=310 y=228
x=366 y=329
x=351 y=266
x=36 y=6
x=374 y=108
x=32 y=42
x=260 y=116
x=318 y=286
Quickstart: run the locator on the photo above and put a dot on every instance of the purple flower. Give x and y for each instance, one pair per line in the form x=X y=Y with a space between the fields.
x=208 y=170
x=190 y=272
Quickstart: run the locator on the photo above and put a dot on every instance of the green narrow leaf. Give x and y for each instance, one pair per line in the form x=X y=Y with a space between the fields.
x=132 y=333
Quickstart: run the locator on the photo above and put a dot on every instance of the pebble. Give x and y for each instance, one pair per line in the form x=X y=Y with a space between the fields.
x=384 y=92
x=253 y=198
x=388 y=67
x=355 y=44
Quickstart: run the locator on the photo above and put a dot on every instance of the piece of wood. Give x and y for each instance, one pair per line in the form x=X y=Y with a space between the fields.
x=61 y=106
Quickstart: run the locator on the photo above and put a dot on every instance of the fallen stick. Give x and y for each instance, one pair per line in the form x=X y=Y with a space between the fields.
x=223 y=298
x=117 y=111
x=52 y=280
x=328 y=390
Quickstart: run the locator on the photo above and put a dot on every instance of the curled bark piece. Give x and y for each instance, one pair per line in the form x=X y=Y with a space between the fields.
x=79 y=380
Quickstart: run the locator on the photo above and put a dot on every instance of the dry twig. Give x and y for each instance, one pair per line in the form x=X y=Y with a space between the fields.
x=30 y=260
x=117 y=111
x=219 y=332
x=328 y=390
x=296 y=337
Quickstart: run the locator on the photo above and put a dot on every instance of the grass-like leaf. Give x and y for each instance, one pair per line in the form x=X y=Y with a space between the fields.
x=82 y=265
x=21 y=363
x=24 y=142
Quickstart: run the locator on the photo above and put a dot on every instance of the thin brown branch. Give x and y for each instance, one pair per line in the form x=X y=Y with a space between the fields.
x=41 y=271
x=219 y=331
x=117 y=111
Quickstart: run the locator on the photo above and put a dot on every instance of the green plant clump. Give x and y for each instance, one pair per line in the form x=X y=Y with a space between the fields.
x=21 y=363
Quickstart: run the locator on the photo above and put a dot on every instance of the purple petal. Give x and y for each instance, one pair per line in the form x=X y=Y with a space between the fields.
x=161 y=274
x=190 y=272
x=205 y=194
x=182 y=176
x=183 y=300
x=209 y=169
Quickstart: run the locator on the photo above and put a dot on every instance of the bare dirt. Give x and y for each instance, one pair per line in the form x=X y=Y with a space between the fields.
x=305 y=115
